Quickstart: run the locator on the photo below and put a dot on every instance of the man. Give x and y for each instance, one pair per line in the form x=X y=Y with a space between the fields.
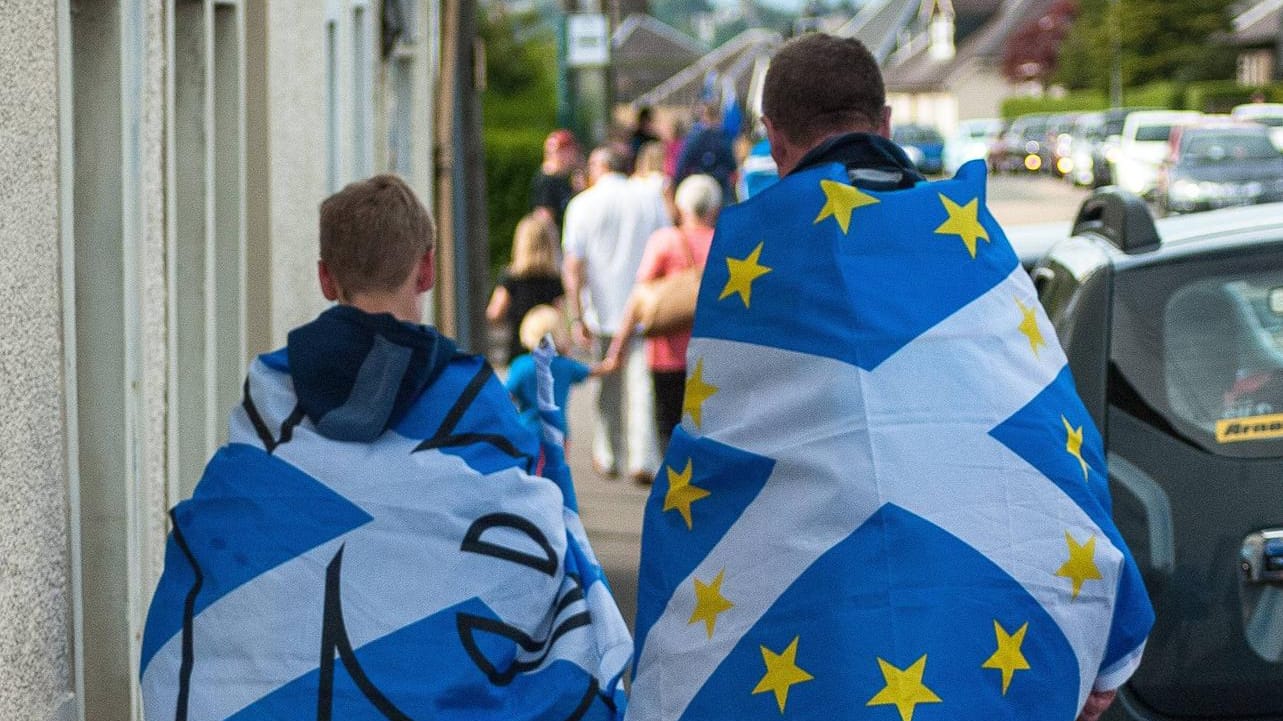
x=606 y=230
x=381 y=537
x=707 y=150
x=556 y=181
x=886 y=498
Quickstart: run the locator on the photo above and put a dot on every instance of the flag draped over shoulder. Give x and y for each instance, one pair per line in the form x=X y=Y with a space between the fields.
x=885 y=500
x=436 y=573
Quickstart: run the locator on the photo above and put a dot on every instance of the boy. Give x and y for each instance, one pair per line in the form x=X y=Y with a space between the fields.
x=377 y=503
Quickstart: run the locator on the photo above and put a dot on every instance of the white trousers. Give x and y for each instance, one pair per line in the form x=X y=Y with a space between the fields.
x=624 y=423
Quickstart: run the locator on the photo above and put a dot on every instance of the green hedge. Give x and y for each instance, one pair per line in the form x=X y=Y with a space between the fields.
x=512 y=157
x=1209 y=96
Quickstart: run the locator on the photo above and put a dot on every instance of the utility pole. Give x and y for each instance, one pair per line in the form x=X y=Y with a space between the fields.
x=1116 y=55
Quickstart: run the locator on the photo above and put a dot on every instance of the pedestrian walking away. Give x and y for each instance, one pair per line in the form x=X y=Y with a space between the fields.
x=381 y=536
x=885 y=493
x=606 y=230
x=668 y=251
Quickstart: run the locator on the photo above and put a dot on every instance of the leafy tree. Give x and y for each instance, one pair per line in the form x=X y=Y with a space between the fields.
x=1157 y=40
x=1032 y=51
x=519 y=109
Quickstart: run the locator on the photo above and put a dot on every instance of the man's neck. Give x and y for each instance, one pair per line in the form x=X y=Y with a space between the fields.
x=408 y=309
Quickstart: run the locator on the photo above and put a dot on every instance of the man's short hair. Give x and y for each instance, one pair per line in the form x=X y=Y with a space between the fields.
x=373 y=233
x=614 y=157
x=819 y=84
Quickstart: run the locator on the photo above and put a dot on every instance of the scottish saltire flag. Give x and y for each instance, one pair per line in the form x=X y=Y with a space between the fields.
x=885 y=500
x=431 y=574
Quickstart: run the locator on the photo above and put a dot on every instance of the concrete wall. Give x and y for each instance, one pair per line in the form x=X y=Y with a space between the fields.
x=296 y=97
x=35 y=623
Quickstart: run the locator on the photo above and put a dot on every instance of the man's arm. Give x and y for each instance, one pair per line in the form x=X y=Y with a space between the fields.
x=1096 y=704
x=572 y=277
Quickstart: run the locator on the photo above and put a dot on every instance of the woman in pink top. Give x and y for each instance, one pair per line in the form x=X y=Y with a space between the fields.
x=698 y=200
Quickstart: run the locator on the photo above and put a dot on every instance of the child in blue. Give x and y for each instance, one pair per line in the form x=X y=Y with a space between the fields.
x=566 y=372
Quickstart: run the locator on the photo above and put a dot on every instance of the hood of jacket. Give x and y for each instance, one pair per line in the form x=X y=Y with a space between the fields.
x=872 y=162
x=356 y=374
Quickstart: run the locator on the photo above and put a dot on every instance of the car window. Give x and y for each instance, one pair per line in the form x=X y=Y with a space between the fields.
x=1219 y=147
x=1153 y=133
x=1202 y=346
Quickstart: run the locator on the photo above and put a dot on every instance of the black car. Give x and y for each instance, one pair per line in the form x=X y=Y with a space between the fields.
x=1174 y=334
x=1219 y=165
x=1019 y=147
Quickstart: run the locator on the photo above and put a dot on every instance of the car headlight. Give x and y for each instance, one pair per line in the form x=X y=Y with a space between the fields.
x=1111 y=154
x=1186 y=191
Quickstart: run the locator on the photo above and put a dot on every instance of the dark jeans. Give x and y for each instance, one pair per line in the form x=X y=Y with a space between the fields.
x=670 y=390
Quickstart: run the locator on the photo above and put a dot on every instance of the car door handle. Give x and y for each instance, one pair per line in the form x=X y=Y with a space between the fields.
x=1262 y=556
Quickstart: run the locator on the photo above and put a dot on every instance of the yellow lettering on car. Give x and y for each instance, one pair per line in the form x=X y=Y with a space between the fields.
x=1251 y=428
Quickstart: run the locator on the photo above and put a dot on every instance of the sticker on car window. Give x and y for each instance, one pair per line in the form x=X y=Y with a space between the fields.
x=1252 y=428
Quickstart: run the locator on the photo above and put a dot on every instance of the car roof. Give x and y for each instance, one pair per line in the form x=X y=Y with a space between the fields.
x=1186 y=235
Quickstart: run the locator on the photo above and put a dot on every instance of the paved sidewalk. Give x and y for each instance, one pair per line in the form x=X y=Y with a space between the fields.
x=611 y=509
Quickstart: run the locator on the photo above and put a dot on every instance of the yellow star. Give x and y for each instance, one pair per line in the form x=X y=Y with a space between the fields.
x=963 y=221
x=697 y=391
x=1074 y=443
x=709 y=602
x=904 y=689
x=681 y=494
x=1081 y=565
x=782 y=672
x=840 y=200
x=1008 y=657
x=1029 y=326
x=743 y=273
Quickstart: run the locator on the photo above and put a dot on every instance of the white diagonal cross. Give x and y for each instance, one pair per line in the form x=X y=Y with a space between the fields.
x=884 y=429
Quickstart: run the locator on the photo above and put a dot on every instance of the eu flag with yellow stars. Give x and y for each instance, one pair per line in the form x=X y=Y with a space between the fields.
x=886 y=500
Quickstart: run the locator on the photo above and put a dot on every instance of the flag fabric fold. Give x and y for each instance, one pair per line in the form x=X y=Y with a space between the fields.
x=437 y=572
x=885 y=496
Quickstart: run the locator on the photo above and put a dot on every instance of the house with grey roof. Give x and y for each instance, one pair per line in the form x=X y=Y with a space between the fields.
x=646 y=51
x=946 y=65
x=1256 y=34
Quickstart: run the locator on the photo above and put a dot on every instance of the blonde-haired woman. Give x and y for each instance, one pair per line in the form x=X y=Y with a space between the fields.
x=532 y=278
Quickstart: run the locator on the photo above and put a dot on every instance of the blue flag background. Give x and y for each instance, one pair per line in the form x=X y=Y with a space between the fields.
x=885 y=499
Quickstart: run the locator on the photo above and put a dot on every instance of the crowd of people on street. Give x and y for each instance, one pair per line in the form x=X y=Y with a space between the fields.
x=388 y=534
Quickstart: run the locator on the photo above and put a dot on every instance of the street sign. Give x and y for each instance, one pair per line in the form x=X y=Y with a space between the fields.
x=587 y=40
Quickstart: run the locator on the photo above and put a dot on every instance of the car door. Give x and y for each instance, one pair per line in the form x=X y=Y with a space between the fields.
x=1194 y=435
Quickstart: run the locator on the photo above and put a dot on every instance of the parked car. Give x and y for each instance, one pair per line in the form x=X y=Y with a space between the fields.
x=1054 y=149
x=923 y=144
x=1144 y=144
x=1086 y=154
x=971 y=141
x=1174 y=335
x=1019 y=147
x=1268 y=114
x=1216 y=165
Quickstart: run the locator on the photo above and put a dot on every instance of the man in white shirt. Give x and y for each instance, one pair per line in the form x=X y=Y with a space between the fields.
x=606 y=228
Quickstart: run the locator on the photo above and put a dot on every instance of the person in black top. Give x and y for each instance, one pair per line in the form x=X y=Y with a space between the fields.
x=531 y=279
x=557 y=179
x=644 y=131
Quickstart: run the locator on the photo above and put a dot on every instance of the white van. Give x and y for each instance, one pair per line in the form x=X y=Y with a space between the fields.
x=1144 y=146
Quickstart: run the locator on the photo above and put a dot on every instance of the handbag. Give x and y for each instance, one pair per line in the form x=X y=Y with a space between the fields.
x=666 y=305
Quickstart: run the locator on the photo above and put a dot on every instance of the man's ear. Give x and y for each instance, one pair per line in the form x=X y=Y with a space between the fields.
x=779 y=146
x=329 y=287
x=884 y=129
x=425 y=273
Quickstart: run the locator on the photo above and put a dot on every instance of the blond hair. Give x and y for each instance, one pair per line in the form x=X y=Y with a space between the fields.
x=539 y=322
x=373 y=232
x=534 y=248
x=650 y=158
